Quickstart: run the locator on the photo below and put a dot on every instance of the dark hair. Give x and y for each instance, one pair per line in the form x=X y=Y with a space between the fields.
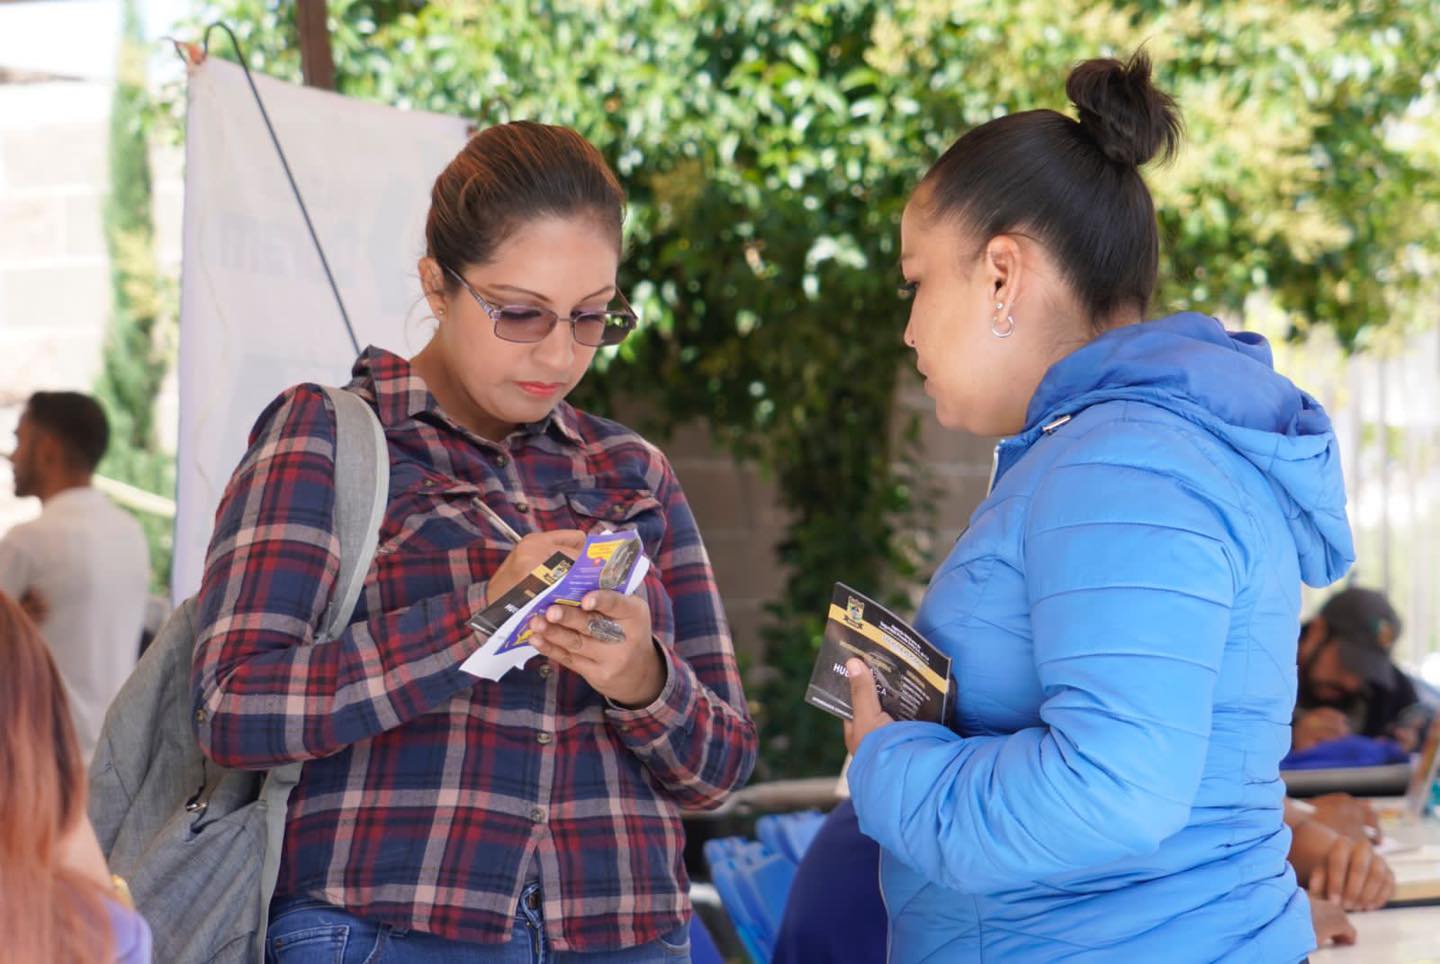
x=76 y=420
x=1073 y=185
x=510 y=174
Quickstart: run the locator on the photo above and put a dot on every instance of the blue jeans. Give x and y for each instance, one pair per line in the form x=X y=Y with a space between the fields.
x=306 y=931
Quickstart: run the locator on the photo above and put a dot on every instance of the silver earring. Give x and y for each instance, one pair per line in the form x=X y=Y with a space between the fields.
x=1002 y=328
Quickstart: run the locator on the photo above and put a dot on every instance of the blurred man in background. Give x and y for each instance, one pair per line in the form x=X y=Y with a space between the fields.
x=81 y=570
x=1349 y=683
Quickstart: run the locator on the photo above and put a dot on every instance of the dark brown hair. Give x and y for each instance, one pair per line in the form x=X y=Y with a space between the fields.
x=76 y=420
x=1073 y=185
x=511 y=174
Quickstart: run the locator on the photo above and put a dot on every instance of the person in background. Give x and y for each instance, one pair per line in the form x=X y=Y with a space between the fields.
x=58 y=902
x=82 y=569
x=1349 y=683
x=1121 y=611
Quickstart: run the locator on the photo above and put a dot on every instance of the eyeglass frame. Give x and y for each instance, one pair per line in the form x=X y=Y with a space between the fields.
x=492 y=311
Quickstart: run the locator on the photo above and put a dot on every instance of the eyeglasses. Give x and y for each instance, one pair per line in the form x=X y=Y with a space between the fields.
x=528 y=324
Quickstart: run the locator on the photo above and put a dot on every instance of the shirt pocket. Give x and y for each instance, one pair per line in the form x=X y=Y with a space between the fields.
x=434 y=541
x=617 y=509
x=430 y=512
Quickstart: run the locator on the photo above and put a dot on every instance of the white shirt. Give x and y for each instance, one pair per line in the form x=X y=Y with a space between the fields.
x=90 y=562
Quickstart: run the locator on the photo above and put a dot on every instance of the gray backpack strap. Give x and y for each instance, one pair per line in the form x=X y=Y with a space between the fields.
x=362 y=488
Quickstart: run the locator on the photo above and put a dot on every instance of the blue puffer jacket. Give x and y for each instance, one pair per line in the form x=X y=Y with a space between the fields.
x=1123 y=614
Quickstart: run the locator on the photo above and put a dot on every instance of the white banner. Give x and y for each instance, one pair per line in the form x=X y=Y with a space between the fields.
x=256 y=313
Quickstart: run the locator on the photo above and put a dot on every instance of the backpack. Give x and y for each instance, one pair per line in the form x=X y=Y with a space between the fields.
x=199 y=844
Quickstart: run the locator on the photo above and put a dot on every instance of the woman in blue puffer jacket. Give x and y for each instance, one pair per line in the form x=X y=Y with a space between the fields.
x=1123 y=610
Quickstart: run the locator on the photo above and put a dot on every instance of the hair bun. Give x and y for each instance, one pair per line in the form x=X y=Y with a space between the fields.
x=1129 y=118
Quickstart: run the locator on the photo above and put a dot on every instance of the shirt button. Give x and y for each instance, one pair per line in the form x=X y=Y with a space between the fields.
x=618 y=511
x=521 y=505
x=537 y=814
x=199 y=716
x=502 y=460
x=543 y=738
x=544 y=671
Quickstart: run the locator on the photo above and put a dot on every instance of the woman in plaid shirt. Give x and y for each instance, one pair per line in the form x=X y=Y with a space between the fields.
x=439 y=817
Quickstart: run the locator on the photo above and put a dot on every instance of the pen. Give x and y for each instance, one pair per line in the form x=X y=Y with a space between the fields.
x=498 y=522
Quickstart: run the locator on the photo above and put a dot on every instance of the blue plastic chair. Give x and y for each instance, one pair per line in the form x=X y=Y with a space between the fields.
x=724 y=859
x=753 y=881
x=790 y=834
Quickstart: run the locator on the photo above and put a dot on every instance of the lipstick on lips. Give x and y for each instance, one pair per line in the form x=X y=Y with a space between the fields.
x=540 y=389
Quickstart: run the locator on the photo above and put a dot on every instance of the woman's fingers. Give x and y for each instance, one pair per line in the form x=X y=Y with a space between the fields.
x=615 y=605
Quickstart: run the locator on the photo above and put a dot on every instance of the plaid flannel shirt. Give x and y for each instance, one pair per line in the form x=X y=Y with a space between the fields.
x=426 y=794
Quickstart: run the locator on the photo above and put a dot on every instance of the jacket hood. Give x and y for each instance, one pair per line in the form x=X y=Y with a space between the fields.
x=1225 y=382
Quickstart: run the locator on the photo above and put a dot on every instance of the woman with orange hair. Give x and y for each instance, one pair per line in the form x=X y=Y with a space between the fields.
x=58 y=902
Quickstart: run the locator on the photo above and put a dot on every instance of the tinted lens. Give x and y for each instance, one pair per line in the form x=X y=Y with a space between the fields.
x=523 y=323
x=590 y=328
x=618 y=329
x=609 y=328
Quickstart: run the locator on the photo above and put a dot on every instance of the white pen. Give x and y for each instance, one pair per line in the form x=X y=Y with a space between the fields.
x=498 y=522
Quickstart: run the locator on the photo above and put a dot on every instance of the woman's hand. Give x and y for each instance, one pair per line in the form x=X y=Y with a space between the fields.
x=530 y=552
x=628 y=670
x=1335 y=868
x=865 y=702
x=1348 y=816
x=1330 y=923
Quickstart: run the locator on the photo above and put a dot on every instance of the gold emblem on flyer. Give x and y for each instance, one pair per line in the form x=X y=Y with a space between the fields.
x=854 y=612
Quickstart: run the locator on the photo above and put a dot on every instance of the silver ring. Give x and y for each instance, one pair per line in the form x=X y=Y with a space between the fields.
x=605 y=630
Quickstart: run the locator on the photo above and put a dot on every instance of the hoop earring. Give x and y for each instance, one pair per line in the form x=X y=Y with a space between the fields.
x=1002 y=328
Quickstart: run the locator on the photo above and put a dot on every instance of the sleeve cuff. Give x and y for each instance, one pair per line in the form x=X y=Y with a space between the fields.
x=857 y=774
x=671 y=710
x=473 y=633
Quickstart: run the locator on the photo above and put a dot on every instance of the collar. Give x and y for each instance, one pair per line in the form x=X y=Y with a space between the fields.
x=74 y=494
x=400 y=394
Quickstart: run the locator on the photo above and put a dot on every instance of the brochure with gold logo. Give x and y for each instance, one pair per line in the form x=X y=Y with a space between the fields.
x=912 y=677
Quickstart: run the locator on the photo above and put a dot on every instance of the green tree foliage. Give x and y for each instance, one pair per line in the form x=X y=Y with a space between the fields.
x=135 y=358
x=768 y=149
